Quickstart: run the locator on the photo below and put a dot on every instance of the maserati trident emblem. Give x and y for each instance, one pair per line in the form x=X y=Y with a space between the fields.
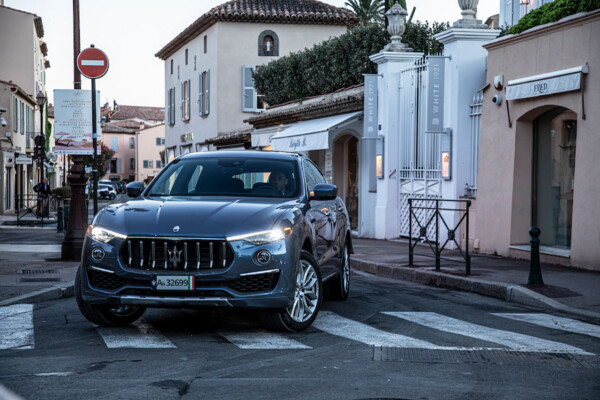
x=176 y=228
x=175 y=256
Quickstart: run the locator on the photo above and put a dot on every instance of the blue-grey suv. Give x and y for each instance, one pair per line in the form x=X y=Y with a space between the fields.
x=257 y=230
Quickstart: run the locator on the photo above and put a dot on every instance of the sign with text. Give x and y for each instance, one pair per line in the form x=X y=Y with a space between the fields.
x=543 y=87
x=370 y=126
x=73 y=121
x=435 y=94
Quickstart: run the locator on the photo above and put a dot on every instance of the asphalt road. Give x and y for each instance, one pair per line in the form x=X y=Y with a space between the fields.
x=437 y=344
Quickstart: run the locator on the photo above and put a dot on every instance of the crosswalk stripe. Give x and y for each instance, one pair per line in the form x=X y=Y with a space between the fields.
x=554 y=322
x=141 y=335
x=26 y=248
x=261 y=340
x=512 y=340
x=16 y=327
x=334 y=324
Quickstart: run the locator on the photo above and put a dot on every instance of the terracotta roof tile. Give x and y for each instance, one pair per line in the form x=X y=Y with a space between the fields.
x=261 y=11
x=143 y=113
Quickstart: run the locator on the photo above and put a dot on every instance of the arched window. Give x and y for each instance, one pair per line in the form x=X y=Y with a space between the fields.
x=268 y=44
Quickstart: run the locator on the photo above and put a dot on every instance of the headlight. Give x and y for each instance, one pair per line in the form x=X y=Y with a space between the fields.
x=264 y=237
x=103 y=235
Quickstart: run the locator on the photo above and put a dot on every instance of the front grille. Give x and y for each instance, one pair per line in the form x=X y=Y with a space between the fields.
x=255 y=283
x=105 y=280
x=176 y=254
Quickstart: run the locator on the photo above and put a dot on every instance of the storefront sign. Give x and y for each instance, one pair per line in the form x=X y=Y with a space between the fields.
x=435 y=94
x=542 y=85
x=23 y=159
x=187 y=137
x=73 y=121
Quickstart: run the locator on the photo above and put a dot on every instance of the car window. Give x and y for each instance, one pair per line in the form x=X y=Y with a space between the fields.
x=312 y=175
x=228 y=176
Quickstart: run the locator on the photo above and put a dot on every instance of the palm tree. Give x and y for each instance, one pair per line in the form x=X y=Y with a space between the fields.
x=367 y=11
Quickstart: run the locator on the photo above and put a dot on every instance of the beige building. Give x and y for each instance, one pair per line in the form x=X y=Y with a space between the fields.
x=209 y=84
x=150 y=145
x=540 y=143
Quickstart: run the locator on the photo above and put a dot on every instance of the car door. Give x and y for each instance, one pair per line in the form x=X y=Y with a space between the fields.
x=322 y=215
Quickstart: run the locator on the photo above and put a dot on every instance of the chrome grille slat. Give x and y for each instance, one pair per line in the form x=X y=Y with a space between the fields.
x=177 y=254
x=185 y=255
x=153 y=254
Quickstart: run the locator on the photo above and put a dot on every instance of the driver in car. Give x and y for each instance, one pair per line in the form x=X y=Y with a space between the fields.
x=279 y=181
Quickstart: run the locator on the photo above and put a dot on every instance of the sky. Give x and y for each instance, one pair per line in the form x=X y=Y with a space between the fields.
x=130 y=32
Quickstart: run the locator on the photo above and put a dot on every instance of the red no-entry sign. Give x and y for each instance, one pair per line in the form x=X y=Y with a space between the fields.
x=92 y=63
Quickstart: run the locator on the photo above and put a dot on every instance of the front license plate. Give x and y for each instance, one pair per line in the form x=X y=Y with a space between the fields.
x=173 y=282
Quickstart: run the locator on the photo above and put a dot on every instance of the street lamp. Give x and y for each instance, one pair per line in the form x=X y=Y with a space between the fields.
x=41 y=100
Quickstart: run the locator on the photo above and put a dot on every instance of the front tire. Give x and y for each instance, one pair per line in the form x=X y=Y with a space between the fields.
x=308 y=296
x=112 y=196
x=105 y=315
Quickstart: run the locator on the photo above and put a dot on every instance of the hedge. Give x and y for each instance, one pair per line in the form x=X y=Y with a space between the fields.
x=552 y=12
x=336 y=63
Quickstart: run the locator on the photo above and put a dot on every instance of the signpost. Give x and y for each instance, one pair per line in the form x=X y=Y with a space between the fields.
x=93 y=64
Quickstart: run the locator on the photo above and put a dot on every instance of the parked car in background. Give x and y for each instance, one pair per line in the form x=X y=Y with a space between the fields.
x=114 y=184
x=255 y=230
x=106 y=191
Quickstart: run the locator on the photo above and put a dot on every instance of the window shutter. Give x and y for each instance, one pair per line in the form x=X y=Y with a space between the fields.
x=182 y=101
x=200 y=93
x=248 y=91
x=187 y=99
x=22 y=120
x=207 y=93
x=119 y=166
x=173 y=106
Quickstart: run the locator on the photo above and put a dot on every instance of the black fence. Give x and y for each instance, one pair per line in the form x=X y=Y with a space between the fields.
x=36 y=208
x=427 y=213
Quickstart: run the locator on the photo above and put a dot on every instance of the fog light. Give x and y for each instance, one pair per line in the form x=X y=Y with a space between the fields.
x=262 y=257
x=97 y=254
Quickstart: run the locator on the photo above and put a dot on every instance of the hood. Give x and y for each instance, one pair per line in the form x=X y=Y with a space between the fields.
x=203 y=217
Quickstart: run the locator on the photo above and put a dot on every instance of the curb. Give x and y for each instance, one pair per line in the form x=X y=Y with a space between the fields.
x=509 y=293
x=55 y=292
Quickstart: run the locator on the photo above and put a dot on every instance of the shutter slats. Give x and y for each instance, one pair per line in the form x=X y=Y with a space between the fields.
x=207 y=95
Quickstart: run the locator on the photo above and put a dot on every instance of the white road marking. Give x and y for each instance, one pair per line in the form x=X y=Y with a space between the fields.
x=141 y=335
x=334 y=324
x=44 y=374
x=261 y=340
x=30 y=248
x=92 y=62
x=551 y=321
x=16 y=327
x=512 y=340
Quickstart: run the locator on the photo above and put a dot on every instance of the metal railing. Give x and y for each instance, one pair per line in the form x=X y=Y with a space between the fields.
x=433 y=212
x=35 y=208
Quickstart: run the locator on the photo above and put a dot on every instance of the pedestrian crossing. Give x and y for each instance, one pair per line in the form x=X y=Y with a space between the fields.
x=17 y=333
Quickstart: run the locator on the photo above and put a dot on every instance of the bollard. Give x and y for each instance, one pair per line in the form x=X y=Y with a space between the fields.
x=59 y=223
x=67 y=210
x=535 y=272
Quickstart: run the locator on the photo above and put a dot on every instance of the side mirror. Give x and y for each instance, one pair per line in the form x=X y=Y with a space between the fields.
x=323 y=191
x=134 y=189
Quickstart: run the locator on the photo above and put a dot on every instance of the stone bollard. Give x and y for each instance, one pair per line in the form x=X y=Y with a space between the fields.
x=535 y=271
x=60 y=228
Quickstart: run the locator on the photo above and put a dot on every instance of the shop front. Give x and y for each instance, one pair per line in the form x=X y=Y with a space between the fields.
x=540 y=142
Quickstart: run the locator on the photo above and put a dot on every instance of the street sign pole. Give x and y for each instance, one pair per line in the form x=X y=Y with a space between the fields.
x=94 y=144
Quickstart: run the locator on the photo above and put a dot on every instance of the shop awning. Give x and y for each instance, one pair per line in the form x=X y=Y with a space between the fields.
x=312 y=134
x=565 y=80
x=262 y=137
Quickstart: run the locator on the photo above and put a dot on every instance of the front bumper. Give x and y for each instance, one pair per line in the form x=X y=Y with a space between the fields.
x=244 y=283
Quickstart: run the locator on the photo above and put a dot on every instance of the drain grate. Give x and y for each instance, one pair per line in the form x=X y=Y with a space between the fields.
x=484 y=356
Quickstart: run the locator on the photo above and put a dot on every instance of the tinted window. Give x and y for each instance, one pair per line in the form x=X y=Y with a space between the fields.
x=312 y=175
x=258 y=177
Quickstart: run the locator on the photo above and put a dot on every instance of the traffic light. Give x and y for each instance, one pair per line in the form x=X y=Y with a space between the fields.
x=40 y=147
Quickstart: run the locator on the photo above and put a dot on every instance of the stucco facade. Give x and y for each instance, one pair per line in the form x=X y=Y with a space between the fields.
x=121 y=166
x=509 y=190
x=149 y=144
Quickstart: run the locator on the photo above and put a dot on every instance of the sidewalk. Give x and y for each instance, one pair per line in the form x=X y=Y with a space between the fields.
x=567 y=290
x=30 y=271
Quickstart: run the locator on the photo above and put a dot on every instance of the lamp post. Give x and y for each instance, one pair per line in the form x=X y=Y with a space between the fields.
x=41 y=100
x=396 y=17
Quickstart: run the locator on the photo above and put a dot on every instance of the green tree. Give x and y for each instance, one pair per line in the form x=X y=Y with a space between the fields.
x=367 y=11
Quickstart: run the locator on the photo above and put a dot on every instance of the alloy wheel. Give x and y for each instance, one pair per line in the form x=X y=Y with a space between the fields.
x=306 y=296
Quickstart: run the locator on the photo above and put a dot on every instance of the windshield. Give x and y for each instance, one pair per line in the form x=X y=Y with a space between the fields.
x=212 y=176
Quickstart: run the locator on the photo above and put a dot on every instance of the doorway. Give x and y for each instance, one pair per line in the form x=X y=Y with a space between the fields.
x=553 y=180
x=345 y=174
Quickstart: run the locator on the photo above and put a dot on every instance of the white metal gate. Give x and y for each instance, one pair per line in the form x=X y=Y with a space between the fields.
x=419 y=153
x=475 y=114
